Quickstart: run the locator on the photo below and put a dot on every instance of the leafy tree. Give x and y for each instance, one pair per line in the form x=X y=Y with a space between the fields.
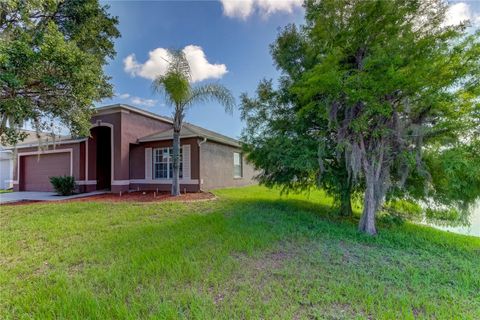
x=284 y=145
x=289 y=137
x=51 y=58
x=178 y=91
x=395 y=91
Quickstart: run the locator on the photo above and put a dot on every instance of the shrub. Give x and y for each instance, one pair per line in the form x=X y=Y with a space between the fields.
x=63 y=185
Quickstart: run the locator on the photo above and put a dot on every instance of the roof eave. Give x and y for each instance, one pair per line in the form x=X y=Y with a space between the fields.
x=229 y=143
x=130 y=108
x=49 y=143
x=163 y=138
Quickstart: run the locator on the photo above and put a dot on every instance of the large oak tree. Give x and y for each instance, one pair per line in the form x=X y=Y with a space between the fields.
x=395 y=90
x=51 y=57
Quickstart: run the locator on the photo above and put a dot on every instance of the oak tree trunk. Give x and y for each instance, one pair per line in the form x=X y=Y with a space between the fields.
x=367 y=220
x=346 y=198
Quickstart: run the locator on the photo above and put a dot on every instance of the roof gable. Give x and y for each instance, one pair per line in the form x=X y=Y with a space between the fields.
x=188 y=130
x=192 y=131
x=114 y=108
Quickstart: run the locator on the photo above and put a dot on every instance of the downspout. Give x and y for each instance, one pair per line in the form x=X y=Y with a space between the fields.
x=199 y=164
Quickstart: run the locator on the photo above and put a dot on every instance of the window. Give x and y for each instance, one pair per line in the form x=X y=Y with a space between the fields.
x=237 y=165
x=163 y=163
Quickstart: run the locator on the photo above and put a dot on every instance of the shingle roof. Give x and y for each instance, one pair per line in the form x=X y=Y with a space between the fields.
x=192 y=131
x=33 y=139
x=188 y=130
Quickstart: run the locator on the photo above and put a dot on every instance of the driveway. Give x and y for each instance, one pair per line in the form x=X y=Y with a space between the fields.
x=41 y=196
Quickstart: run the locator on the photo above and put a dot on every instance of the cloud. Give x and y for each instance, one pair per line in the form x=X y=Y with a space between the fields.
x=124 y=96
x=244 y=8
x=157 y=64
x=461 y=12
x=142 y=102
x=237 y=9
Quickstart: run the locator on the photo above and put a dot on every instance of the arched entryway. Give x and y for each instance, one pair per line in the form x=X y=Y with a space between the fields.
x=102 y=135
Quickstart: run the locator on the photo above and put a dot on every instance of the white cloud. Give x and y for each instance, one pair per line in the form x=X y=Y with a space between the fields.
x=142 y=102
x=157 y=64
x=130 y=65
x=461 y=12
x=238 y=9
x=244 y=8
x=200 y=67
x=124 y=96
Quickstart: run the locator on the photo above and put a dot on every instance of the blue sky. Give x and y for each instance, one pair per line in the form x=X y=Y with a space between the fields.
x=239 y=41
x=225 y=41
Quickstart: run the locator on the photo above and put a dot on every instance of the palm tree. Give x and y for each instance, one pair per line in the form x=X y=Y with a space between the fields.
x=178 y=91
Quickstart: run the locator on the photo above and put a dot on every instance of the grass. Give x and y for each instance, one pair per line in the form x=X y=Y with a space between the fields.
x=251 y=254
x=5 y=191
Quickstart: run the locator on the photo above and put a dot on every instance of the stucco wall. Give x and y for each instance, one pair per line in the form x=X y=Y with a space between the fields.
x=216 y=167
x=127 y=128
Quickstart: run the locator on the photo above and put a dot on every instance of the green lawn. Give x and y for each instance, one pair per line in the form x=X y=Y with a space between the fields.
x=251 y=254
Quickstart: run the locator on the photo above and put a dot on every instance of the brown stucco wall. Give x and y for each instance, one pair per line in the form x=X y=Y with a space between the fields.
x=127 y=128
x=216 y=167
x=119 y=167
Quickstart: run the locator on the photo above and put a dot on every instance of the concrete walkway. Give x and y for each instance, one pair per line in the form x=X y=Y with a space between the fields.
x=42 y=196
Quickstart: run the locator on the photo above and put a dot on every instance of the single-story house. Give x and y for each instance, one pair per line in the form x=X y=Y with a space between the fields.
x=129 y=149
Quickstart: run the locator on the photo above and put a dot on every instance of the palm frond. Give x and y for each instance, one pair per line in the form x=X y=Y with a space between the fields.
x=179 y=63
x=212 y=92
x=174 y=86
x=175 y=83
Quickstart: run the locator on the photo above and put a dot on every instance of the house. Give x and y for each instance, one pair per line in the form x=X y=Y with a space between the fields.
x=129 y=149
x=6 y=168
x=7 y=155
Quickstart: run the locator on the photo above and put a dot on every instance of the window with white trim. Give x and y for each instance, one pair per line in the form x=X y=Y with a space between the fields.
x=237 y=165
x=163 y=163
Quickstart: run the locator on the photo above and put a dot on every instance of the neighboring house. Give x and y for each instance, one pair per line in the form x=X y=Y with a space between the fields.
x=7 y=155
x=6 y=169
x=129 y=149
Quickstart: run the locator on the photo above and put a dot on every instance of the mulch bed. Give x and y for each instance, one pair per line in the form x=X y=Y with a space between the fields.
x=136 y=196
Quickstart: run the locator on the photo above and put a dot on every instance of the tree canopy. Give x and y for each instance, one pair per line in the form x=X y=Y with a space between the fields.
x=51 y=58
x=384 y=87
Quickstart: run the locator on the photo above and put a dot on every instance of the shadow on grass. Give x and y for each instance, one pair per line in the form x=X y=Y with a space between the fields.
x=162 y=255
x=252 y=226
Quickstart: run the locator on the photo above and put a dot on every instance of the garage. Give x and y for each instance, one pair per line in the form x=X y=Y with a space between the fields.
x=36 y=170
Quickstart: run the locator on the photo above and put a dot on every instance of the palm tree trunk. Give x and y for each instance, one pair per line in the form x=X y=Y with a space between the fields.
x=176 y=164
x=177 y=126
